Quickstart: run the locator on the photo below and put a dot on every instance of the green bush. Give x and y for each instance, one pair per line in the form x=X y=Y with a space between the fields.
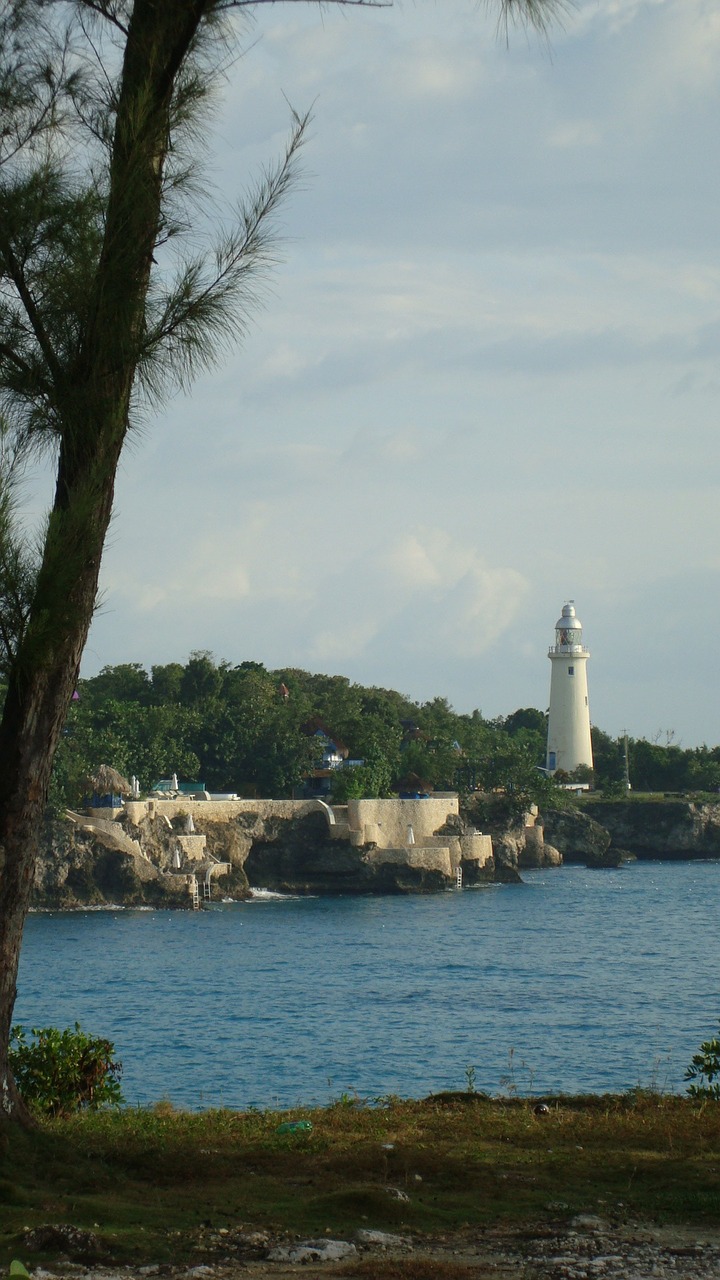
x=705 y=1068
x=58 y=1072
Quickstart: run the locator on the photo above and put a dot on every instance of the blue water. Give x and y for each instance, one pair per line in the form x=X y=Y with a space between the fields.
x=575 y=980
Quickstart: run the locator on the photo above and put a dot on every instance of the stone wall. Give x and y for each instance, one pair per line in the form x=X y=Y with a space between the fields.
x=385 y=823
x=420 y=857
x=211 y=810
x=307 y=846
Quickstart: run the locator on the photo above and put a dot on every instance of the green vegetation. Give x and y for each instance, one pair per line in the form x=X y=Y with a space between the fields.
x=163 y=1184
x=159 y=1184
x=230 y=726
x=654 y=766
x=244 y=728
x=59 y=1072
x=704 y=1071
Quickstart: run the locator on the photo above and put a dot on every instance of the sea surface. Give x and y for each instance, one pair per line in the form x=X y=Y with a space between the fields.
x=575 y=980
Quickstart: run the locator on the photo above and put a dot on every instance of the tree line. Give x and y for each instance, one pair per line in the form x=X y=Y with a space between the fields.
x=248 y=729
x=251 y=730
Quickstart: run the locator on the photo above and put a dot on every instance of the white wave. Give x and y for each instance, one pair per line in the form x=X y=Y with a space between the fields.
x=81 y=908
x=269 y=895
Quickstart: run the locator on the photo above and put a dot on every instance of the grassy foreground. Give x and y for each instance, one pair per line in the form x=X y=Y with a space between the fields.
x=160 y=1184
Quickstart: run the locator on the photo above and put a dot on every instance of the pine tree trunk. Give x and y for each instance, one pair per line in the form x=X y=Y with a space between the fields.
x=39 y=694
x=92 y=403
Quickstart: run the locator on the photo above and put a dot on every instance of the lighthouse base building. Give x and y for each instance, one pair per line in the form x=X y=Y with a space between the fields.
x=569 y=744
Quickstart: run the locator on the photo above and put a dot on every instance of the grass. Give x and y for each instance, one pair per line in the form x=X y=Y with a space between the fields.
x=647 y=797
x=157 y=1184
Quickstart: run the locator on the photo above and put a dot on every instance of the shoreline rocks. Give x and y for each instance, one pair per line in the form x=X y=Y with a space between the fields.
x=580 y=838
x=131 y=860
x=661 y=828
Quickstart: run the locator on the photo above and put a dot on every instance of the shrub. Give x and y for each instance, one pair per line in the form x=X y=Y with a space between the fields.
x=58 y=1072
x=705 y=1068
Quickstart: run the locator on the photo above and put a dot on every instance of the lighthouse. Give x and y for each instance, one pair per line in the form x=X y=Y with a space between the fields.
x=568 y=743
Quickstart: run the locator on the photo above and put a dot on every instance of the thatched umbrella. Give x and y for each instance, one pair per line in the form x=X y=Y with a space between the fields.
x=107 y=782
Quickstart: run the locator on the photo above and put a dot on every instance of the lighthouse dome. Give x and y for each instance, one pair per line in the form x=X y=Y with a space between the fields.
x=568 y=619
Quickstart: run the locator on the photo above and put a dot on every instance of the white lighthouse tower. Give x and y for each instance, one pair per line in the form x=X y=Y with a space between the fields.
x=568 y=743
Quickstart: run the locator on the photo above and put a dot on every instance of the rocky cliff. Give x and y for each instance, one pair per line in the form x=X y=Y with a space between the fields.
x=580 y=838
x=601 y=833
x=660 y=828
x=91 y=861
x=76 y=868
x=136 y=863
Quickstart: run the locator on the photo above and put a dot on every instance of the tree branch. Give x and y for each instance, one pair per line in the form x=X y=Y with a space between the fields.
x=15 y=359
x=197 y=302
x=16 y=275
x=105 y=10
x=355 y=4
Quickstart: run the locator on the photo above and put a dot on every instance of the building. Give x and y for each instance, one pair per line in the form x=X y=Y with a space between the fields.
x=569 y=744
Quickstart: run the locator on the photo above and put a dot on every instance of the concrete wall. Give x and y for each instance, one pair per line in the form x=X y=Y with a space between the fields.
x=215 y=810
x=192 y=847
x=437 y=859
x=385 y=822
x=475 y=847
x=381 y=822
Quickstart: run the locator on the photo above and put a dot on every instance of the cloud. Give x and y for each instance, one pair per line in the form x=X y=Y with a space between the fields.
x=424 y=593
x=485 y=379
x=577 y=133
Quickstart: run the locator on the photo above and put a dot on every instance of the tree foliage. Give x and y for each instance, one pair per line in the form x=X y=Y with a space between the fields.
x=704 y=1071
x=654 y=766
x=60 y=1072
x=233 y=728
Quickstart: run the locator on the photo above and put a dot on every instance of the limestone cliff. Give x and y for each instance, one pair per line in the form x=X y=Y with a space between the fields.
x=151 y=853
x=300 y=857
x=76 y=868
x=580 y=838
x=660 y=828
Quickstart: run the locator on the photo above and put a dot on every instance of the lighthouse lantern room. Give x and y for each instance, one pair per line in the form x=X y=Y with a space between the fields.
x=569 y=744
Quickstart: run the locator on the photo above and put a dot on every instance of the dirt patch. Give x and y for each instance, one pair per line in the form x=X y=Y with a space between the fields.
x=584 y=1248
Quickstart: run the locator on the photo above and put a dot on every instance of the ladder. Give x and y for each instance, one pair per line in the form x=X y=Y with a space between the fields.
x=195 y=893
x=458 y=878
x=207 y=892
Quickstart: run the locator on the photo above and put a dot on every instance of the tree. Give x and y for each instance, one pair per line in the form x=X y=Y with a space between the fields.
x=127 y=682
x=98 y=101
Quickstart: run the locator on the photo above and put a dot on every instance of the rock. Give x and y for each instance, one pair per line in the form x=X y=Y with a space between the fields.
x=312 y=1251
x=506 y=854
x=381 y=1239
x=539 y=854
x=589 y=1222
x=579 y=838
x=77 y=1243
x=299 y=856
x=662 y=828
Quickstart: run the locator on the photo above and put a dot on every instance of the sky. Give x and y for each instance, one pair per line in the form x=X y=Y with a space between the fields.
x=483 y=381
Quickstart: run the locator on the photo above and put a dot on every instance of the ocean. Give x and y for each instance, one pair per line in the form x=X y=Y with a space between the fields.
x=574 y=981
